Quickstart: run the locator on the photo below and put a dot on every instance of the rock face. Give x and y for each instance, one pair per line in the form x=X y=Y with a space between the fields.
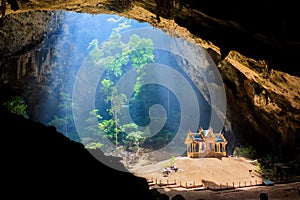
x=258 y=64
x=262 y=103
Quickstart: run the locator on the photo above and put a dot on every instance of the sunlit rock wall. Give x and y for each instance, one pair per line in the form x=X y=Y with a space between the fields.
x=263 y=104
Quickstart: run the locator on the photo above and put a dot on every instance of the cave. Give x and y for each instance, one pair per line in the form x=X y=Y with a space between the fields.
x=255 y=48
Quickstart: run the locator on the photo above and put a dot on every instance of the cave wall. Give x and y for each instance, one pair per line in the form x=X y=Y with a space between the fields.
x=29 y=61
x=263 y=104
x=258 y=29
x=259 y=68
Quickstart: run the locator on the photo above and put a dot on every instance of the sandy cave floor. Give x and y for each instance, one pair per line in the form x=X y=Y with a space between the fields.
x=200 y=173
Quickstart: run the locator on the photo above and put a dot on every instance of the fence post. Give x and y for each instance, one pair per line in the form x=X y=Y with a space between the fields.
x=194 y=184
x=233 y=184
x=227 y=185
x=250 y=183
x=155 y=181
x=239 y=184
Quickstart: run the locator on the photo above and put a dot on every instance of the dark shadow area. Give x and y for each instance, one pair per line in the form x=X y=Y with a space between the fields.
x=38 y=162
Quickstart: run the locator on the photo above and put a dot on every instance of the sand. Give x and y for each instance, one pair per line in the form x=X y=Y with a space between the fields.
x=201 y=178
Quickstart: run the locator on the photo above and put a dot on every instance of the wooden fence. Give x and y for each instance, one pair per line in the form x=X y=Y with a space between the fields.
x=204 y=186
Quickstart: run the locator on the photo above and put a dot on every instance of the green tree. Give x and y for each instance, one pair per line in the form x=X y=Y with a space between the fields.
x=107 y=127
x=246 y=150
x=134 y=136
x=117 y=57
x=64 y=121
x=16 y=105
x=117 y=103
x=93 y=137
x=171 y=162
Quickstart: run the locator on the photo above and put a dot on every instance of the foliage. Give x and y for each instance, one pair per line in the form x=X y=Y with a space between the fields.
x=117 y=102
x=108 y=128
x=134 y=137
x=117 y=57
x=272 y=166
x=16 y=105
x=245 y=151
x=106 y=89
x=94 y=145
x=91 y=128
x=268 y=163
x=158 y=140
x=64 y=121
x=94 y=51
x=171 y=162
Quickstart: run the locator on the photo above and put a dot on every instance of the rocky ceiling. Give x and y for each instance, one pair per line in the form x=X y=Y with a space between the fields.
x=264 y=30
x=255 y=45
